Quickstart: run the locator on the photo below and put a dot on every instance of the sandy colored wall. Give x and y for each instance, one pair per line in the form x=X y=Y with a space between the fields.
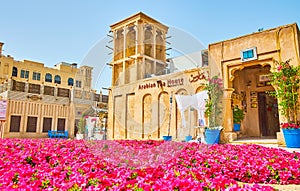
x=274 y=44
x=39 y=110
x=141 y=110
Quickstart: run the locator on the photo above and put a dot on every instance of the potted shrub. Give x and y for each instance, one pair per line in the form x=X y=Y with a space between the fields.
x=80 y=129
x=286 y=80
x=214 y=110
x=238 y=116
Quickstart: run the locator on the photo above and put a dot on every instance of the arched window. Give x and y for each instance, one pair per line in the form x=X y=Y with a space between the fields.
x=57 y=79
x=48 y=77
x=15 y=71
x=70 y=82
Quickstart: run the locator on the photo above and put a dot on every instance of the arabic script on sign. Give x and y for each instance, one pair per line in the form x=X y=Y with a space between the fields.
x=199 y=76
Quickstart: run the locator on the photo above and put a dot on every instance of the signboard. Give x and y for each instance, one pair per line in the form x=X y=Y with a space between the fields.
x=264 y=78
x=162 y=83
x=3 y=106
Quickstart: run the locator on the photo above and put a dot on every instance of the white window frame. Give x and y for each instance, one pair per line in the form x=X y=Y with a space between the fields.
x=254 y=49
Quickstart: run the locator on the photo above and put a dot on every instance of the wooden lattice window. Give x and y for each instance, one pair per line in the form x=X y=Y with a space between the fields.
x=31 y=124
x=34 y=88
x=48 y=90
x=61 y=124
x=63 y=92
x=15 y=123
x=18 y=86
x=47 y=124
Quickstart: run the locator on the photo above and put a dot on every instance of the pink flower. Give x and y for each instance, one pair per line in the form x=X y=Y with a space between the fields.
x=289 y=125
x=128 y=165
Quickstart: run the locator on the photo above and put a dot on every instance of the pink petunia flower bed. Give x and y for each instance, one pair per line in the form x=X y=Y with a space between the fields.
x=52 y=164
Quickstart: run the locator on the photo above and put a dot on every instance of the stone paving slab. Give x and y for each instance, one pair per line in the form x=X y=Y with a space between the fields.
x=286 y=187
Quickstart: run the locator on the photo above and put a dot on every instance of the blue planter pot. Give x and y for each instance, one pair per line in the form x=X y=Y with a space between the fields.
x=292 y=138
x=188 y=138
x=236 y=127
x=212 y=136
x=167 y=138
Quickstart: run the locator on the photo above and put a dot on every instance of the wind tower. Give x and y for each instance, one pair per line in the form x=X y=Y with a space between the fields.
x=139 y=49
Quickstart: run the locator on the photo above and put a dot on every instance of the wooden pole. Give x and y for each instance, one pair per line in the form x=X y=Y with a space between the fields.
x=2 y=124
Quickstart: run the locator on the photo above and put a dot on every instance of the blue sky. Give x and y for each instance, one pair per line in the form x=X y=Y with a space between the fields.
x=65 y=30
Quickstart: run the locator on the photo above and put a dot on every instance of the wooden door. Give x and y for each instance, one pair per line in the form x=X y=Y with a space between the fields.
x=268 y=115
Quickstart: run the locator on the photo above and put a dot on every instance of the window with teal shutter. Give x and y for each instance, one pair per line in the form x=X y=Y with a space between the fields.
x=248 y=54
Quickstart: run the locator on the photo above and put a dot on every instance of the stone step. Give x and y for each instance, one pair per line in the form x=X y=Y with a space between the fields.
x=255 y=141
x=271 y=143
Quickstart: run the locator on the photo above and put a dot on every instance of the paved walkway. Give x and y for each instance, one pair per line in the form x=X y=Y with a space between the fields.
x=289 y=187
x=267 y=142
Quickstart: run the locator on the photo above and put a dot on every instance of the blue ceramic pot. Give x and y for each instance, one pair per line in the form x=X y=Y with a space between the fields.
x=188 y=138
x=292 y=138
x=212 y=136
x=236 y=127
x=167 y=138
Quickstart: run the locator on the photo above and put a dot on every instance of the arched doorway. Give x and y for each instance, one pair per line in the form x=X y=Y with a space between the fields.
x=251 y=87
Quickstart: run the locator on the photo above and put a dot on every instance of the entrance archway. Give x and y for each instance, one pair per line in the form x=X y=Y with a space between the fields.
x=250 y=92
x=268 y=114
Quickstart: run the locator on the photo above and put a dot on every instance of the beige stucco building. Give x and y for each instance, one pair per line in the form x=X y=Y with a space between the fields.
x=139 y=105
x=244 y=63
x=142 y=85
x=40 y=98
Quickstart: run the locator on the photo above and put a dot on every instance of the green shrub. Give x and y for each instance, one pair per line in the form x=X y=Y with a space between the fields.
x=238 y=114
